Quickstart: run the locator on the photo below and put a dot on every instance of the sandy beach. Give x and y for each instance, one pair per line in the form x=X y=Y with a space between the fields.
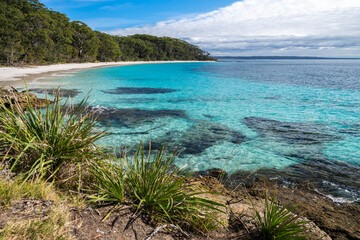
x=15 y=76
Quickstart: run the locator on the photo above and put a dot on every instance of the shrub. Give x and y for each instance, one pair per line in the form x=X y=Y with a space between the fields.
x=276 y=222
x=39 y=142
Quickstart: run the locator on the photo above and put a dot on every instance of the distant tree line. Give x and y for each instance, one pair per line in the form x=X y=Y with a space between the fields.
x=31 y=33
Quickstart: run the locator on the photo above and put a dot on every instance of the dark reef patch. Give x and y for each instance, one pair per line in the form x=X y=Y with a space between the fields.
x=353 y=129
x=208 y=116
x=276 y=97
x=183 y=100
x=63 y=92
x=291 y=132
x=138 y=90
x=135 y=100
x=201 y=136
x=134 y=117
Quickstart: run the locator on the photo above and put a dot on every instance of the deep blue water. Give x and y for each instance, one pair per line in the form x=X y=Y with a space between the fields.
x=299 y=119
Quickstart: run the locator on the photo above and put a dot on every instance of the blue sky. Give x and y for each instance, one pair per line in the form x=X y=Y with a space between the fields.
x=111 y=14
x=328 y=28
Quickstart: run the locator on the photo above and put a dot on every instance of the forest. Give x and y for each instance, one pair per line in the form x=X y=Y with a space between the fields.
x=30 y=33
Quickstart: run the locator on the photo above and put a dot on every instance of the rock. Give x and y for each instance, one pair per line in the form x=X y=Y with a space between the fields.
x=214 y=172
x=290 y=132
x=199 y=137
x=63 y=92
x=241 y=211
x=133 y=117
x=338 y=220
x=205 y=134
x=22 y=98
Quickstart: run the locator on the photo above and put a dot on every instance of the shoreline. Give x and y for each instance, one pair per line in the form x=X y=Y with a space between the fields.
x=15 y=76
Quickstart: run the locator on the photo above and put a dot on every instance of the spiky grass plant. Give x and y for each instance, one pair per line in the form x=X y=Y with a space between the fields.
x=110 y=182
x=39 y=142
x=163 y=190
x=157 y=188
x=277 y=222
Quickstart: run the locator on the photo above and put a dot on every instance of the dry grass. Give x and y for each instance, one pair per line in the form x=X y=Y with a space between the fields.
x=11 y=190
x=52 y=227
x=29 y=222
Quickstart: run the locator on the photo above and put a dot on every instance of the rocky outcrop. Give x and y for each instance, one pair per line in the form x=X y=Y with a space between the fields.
x=14 y=98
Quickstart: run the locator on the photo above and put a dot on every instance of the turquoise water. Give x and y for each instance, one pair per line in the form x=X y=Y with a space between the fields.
x=299 y=117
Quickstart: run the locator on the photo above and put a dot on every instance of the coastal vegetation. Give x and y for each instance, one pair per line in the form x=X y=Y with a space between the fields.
x=32 y=34
x=41 y=144
x=278 y=222
x=49 y=160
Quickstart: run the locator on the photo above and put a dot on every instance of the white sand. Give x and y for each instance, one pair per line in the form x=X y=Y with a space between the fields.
x=12 y=75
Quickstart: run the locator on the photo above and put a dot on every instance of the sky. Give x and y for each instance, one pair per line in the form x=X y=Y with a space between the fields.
x=324 y=28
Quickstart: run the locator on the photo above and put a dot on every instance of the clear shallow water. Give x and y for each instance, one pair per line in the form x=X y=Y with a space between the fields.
x=299 y=119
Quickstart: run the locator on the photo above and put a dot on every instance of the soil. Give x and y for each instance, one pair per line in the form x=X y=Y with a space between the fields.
x=121 y=224
x=340 y=221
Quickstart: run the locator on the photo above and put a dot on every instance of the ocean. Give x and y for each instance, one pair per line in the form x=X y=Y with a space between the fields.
x=293 y=121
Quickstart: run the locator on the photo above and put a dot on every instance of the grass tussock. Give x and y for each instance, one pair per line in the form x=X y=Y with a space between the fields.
x=157 y=188
x=39 y=143
x=277 y=222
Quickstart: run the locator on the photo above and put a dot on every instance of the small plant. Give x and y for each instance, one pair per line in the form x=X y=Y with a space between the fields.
x=110 y=182
x=277 y=222
x=162 y=190
x=39 y=142
x=156 y=187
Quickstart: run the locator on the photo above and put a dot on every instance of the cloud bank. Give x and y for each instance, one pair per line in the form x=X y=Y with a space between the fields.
x=269 y=27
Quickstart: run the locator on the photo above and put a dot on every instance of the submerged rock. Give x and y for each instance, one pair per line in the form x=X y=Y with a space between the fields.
x=353 y=129
x=63 y=92
x=206 y=134
x=134 y=117
x=276 y=97
x=201 y=136
x=135 y=100
x=138 y=90
x=290 y=132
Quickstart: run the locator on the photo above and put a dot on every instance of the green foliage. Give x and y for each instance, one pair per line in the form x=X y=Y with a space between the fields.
x=156 y=187
x=40 y=142
x=110 y=181
x=279 y=223
x=31 y=33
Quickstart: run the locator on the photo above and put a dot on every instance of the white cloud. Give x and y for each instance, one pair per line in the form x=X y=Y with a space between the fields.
x=269 y=27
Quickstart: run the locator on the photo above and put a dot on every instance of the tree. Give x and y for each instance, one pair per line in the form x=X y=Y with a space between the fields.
x=109 y=49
